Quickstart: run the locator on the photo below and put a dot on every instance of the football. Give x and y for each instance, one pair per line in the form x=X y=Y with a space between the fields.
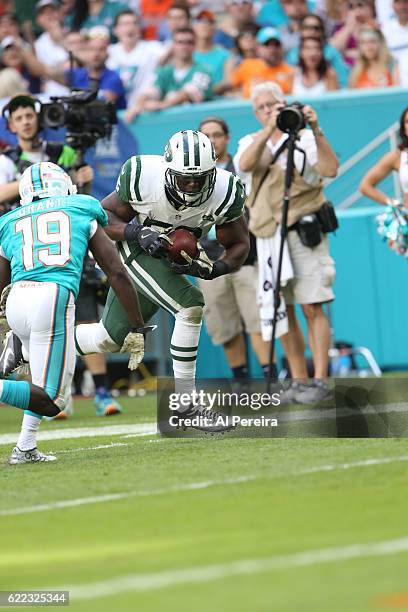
x=183 y=240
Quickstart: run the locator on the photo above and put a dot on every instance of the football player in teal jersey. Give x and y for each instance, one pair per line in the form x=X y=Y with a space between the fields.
x=42 y=248
x=154 y=195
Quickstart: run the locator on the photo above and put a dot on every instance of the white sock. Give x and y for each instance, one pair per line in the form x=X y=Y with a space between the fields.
x=93 y=338
x=28 y=436
x=183 y=349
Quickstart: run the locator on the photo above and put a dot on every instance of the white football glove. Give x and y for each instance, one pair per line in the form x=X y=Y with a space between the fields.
x=3 y=302
x=134 y=344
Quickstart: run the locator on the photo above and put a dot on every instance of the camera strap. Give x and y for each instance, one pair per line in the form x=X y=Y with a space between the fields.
x=275 y=156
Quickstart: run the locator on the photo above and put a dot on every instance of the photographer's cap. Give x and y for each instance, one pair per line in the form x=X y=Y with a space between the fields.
x=266 y=34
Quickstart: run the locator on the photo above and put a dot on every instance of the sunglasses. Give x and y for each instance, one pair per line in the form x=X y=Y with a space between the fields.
x=354 y=5
x=312 y=26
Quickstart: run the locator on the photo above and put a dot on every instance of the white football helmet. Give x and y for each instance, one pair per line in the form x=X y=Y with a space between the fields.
x=190 y=168
x=44 y=180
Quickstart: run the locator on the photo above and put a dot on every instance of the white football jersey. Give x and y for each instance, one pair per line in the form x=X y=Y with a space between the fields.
x=141 y=184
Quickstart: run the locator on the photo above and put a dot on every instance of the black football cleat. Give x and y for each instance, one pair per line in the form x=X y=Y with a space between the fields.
x=12 y=356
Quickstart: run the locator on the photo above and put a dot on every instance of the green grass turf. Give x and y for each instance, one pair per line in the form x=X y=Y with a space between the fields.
x=279 y=512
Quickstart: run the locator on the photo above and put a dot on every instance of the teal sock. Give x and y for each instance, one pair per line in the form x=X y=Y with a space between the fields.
x=15 y=392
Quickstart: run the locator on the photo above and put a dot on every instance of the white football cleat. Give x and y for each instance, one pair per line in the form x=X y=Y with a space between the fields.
x=29 y=456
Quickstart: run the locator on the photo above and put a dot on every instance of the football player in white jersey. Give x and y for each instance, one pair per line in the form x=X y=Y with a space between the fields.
x=155 y=195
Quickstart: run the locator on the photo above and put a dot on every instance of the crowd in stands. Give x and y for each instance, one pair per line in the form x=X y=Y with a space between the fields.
x=148 y=55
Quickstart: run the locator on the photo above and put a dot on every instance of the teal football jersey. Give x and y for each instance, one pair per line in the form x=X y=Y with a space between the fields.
x=47 y=240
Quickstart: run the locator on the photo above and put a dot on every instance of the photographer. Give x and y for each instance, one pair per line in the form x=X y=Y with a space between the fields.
x=313 y=268
x=23 y=116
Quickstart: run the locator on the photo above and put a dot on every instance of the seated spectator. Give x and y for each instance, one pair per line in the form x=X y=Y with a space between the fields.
x=272 y=13
x=180 y=81
x=375 y=66
x=396 y=34
x=9 y=26
x=240 y=15
x=16 y=54
x=313 y=25
x=154 y=14
x=95 y=74
x=314 y=75
x=360 y=13
x=219 y=62
x=295 y=11
x=268 y=66
x=245 y=44
x=49 y=46
x=90 y=13
x=178 y=16
x=134 y=59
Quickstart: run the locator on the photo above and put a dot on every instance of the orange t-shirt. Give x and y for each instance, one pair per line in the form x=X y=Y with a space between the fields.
x=153 y=11
x=365 y=80
x=250 y=72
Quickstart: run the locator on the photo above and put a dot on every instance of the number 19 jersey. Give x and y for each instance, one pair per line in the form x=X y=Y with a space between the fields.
x=47 y=240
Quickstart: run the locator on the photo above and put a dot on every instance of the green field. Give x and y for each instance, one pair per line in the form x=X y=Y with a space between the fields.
x=215 y=524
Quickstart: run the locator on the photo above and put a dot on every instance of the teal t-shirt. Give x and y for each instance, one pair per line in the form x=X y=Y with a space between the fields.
x=47 y=240
x=214 y=61
x=168 y=79
x=105 y=17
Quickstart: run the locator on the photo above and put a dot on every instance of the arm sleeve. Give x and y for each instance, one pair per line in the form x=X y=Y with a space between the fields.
x=7 y=170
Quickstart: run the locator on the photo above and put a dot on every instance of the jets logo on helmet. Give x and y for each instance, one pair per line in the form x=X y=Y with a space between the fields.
x=44 y=180
x=190 y=168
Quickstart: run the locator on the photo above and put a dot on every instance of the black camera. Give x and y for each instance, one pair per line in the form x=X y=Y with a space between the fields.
x=85 y=118
x=291 y=118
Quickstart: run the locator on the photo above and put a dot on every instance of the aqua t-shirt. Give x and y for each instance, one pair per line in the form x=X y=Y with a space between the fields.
x=196 y=78
x=46 y=241
x=214 y=61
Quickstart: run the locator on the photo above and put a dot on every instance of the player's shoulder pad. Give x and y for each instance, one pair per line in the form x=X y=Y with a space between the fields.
x=229 y=196
x=138 y=178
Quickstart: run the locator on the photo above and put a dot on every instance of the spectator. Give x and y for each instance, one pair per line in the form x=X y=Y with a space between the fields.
x=181 y=80
x=295 y=11
x=268 y=66
x=360 y=13
x=245 y=43
x=394 y=161
x=219 y=62
x=229 y=299
x=49 y=46
x=9 y=26
x=76 y=43
x=240 y=16
x=90 y=13
x=272 y=13
x=313 y=25
x=375 y=66
x=313 y=267
x=95 y=74
x=135 y=60
x=154 y=13
x=16 y=54
x=396 y=35
x=178 y=16
x=314 y=75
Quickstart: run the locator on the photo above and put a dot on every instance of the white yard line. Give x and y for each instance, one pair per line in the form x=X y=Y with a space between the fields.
x=98 y=499
x=159 y=580
x=138 y=429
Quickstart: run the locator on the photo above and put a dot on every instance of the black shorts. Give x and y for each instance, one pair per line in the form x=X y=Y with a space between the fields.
x=86 y=305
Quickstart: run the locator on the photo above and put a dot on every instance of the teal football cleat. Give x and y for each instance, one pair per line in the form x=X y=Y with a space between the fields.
x=29 y=456
x=107 y=406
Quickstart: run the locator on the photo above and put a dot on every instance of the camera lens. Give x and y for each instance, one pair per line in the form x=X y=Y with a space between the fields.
x=54 y=115
x=290 y=119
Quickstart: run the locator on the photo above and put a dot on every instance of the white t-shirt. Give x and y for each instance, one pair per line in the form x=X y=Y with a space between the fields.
x=306 y=142
x=136 y=68
x=396 y=36
x=8 y=168
x=52 y=55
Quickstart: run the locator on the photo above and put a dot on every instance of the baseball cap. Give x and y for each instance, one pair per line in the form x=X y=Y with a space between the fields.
x=205 y=15
x=7 y=41
x=266 y=34
x=43 y=3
